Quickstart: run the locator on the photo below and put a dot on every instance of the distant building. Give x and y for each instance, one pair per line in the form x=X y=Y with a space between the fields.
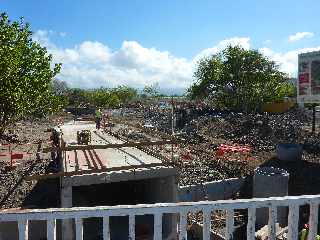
x=309 y=77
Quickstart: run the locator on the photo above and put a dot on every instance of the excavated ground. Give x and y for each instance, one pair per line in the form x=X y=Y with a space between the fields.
x=196 y=158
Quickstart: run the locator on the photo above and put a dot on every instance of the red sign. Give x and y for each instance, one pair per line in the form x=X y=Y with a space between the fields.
x=304 y=78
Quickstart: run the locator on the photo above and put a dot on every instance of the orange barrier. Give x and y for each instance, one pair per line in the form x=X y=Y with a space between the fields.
x=223 y=148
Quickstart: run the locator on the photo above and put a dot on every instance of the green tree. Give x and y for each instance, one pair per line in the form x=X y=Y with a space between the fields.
x=125 y=94
x=151 y=90
x=77 y=97
x=113 y=101
x=100 y=97
x=26 y=71
x=238 y=79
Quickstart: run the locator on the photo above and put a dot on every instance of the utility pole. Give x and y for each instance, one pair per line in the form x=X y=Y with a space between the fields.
x=172 y=116
x=172 y=126
x=313 y=118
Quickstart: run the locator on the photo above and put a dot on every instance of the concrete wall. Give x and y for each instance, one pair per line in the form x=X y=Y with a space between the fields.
x=165 y=190
x=270 y=182
x=149 y=190
x=216 y=190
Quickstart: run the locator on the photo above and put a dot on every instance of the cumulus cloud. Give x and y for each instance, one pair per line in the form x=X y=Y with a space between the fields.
x=300 y=35
x=288 y=61
x=92 y=64
x=234 y=41
x=266 y=42
x=62 y=34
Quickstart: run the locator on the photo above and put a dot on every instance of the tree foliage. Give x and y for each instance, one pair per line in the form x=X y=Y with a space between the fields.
x=26 y=71
x=102 y=97
x=151 y=90
x=239 y=79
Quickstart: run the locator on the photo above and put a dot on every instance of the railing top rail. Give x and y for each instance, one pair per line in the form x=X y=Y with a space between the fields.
x=141 y=209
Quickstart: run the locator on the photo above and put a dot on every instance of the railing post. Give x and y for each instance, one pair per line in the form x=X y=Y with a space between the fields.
x=23 y=229
x=79 y=229
x=106 y=228
x=206 y=224
x=51 y=229
x=313 y=221
x=272 y=223
x=183 y=226
x=132 y=230
x=293 y=220
x=157 y=226
x=251 y=223
x=229 y=224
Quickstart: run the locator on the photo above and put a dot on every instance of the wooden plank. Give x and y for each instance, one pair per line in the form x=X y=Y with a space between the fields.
x=98 y=159
x=93 y=171
x=92 y=158
x=111 y=145
x=85 y=154
x=76 y=161
x=251 y=224
x=293 y=220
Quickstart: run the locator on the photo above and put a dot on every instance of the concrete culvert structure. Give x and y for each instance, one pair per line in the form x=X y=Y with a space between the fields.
x=270 y=182
x=112 y=176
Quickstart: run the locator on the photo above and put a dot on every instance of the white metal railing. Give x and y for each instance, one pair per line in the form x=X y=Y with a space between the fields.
x=157 y=210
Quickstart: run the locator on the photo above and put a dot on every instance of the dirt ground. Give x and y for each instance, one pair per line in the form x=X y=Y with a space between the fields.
x=26 y=138
x=196 y=157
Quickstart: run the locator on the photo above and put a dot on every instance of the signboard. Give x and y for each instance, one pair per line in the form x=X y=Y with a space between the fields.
x=309 y=77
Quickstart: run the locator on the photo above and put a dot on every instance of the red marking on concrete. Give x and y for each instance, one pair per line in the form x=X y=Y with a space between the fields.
x=93 y=160
x=98 y=159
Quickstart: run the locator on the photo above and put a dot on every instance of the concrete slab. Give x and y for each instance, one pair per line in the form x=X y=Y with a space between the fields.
x=79 y=160
x=164 y=184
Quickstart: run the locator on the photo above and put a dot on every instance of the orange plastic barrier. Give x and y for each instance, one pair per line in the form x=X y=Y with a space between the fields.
x=223 y=148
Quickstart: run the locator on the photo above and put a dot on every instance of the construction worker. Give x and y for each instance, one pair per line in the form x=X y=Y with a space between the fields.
x=98 y=118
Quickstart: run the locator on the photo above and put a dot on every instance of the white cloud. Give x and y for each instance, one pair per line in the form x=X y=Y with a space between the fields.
x=234 y=41
x=62 y=34
x=266 y=42
x=300 y=35
x=288 y=61
x=92 y=64
x=42 y=37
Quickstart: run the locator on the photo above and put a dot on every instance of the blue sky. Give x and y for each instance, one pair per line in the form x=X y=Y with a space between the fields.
x=139 y=42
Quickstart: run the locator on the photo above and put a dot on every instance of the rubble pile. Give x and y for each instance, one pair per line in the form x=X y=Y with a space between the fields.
x=262 y=132
x=206 y=131
x=15 y=191
x=311 y=144
x=161 y=119
x=196 y=163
